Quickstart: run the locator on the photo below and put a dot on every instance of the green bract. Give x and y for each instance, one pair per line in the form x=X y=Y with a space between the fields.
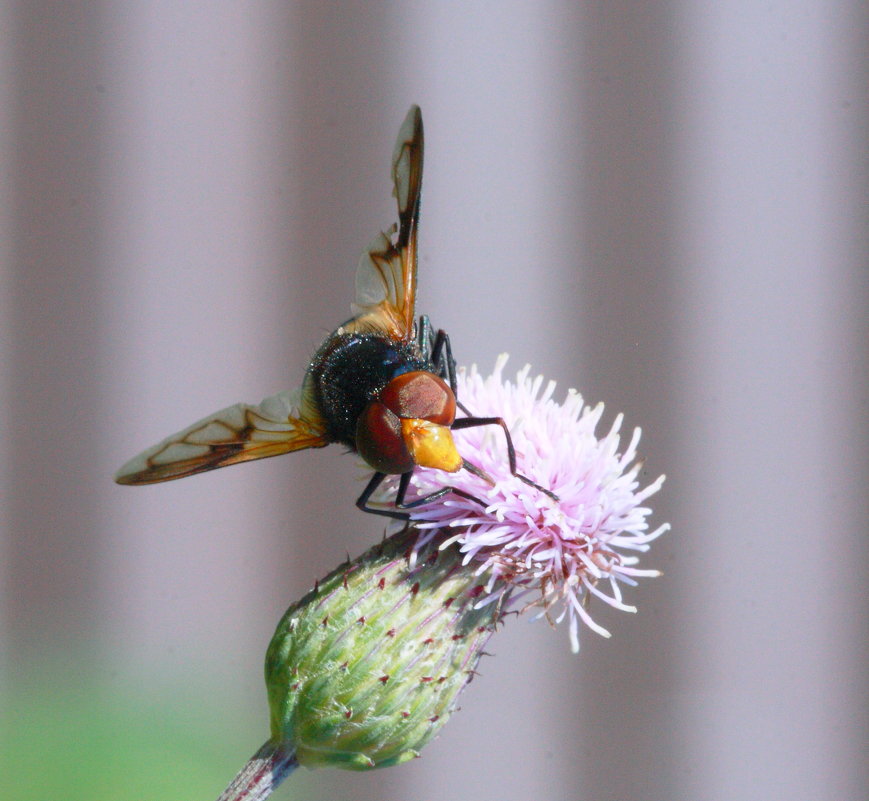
x=366 y=668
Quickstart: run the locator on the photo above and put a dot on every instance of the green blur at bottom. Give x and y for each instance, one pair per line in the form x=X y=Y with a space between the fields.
x=89 y=742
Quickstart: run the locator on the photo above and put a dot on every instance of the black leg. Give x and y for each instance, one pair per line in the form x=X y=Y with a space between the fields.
x=424 y=335
x=403 y=483
x=362 y=501
x=442 y=356
x=440 y=353
x=472 y=422
x=437 y=348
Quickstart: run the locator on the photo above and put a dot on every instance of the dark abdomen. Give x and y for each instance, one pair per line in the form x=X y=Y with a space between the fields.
x=351 y=369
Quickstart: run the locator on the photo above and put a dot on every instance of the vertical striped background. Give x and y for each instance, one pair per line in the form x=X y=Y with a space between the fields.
x=661 y=204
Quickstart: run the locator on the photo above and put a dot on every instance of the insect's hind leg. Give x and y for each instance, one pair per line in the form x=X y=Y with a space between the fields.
x=439 y=351
x=472 y=422
x=425 y=335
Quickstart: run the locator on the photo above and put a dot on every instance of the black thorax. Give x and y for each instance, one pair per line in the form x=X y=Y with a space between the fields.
x=349 y=370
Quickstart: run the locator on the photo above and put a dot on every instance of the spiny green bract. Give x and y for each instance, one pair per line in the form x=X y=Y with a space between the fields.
x=365 y=669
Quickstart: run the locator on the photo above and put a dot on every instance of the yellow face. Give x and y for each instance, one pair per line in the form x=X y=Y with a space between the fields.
x=430 y=444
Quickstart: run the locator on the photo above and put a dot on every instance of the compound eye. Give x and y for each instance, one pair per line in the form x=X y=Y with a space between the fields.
x=421 y=395
x=379 y=440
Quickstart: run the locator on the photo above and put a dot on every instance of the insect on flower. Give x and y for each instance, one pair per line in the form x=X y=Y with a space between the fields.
x=381 y=384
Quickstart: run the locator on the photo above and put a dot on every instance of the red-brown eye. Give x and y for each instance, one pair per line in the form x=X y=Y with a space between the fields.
x=420 y=395
x=379 y=441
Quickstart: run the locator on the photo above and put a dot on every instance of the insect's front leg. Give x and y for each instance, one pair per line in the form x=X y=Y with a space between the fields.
x=472 y=422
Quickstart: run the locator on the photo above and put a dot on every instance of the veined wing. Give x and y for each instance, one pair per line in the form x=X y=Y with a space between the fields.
x=386 y=278
x=238 y=433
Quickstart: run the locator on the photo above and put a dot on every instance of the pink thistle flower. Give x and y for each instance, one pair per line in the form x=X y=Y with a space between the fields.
x=364 y=670
x=565 y=552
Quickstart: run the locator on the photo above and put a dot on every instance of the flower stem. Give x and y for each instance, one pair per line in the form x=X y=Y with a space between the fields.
x=264 y=771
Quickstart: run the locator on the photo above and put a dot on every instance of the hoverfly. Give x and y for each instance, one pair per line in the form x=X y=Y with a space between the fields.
x=381 y=384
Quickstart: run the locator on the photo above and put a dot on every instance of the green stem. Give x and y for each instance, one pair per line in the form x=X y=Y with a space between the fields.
x=264 y=771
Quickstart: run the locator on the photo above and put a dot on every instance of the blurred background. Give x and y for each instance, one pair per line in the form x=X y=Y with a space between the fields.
x=660 y=204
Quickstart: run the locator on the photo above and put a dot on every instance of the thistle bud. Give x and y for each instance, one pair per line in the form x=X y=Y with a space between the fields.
x=366 y=668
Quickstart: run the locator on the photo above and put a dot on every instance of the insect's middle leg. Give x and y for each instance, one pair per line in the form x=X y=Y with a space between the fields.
x=362 y=501
x=403 y=484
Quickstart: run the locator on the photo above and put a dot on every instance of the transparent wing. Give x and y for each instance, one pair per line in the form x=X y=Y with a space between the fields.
x=386 y=278
x=238 y=433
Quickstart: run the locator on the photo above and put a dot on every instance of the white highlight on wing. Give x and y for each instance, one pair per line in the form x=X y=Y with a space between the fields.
x=380 y=277
x=401 y=165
